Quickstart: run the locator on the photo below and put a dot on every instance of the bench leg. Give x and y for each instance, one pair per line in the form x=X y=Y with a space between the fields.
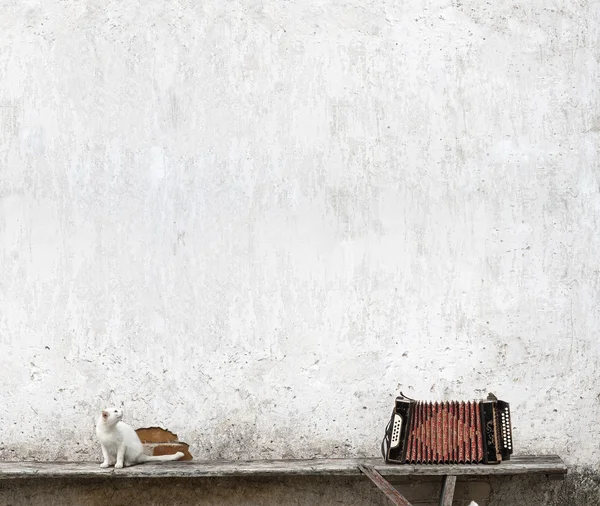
x=393 y=495
x=447 y=494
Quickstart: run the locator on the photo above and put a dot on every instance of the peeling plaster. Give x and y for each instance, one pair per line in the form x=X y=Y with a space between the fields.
x=254 y=223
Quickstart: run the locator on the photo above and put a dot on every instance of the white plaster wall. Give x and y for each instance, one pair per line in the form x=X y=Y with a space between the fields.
x=253 y=222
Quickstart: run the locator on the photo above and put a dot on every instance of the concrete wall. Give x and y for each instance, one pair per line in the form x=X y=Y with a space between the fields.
x=254 y=222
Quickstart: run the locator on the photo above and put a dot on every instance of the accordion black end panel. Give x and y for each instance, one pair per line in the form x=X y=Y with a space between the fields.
x=448 y=432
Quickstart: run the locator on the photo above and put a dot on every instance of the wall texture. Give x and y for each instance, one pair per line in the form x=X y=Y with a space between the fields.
x=253 y=222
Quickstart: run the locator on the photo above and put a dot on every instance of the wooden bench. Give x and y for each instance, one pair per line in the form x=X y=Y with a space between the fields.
x=375 y=469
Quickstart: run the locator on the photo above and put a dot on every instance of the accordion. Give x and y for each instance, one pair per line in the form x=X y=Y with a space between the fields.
x=448 y=432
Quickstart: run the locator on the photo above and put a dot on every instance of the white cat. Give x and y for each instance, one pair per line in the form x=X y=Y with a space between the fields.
x=121 y=445
x=473 y=503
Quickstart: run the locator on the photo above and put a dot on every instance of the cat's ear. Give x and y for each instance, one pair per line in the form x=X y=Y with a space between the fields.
x=105 y=414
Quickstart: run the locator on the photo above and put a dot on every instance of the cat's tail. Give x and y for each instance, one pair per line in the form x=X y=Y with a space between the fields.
x=161 y=458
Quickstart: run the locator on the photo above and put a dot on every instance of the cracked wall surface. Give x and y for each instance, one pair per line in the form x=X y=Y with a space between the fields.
x=254 y=222
x=159 y=441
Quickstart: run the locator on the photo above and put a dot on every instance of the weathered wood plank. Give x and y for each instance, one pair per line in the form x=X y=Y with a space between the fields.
x=447 y=494
x=392 y=494
x=543 y=464
x=548 y=464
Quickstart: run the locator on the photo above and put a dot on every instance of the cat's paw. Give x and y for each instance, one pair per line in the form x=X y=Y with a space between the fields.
x=118 y=465
x=104 y=464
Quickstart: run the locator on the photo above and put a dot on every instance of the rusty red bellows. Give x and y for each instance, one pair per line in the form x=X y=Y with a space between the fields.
x=448 y=432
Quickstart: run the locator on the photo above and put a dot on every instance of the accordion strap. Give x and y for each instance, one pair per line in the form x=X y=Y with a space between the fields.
x=385 y=442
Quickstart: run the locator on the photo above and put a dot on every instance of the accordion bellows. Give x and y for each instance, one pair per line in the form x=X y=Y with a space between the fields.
x=448 y=432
